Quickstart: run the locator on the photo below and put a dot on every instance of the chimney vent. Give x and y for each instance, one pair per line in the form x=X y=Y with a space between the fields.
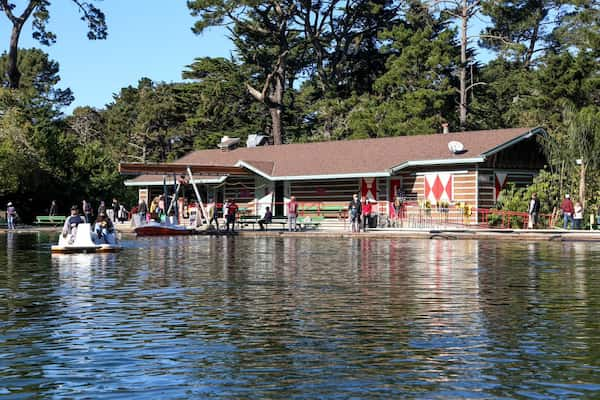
x=228 y=143
x=445 y=128
x=256 y=140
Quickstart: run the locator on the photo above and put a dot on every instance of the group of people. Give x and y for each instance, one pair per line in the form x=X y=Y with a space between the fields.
x=572 y=213
x=103 y=230
x=360 y=212
x=229 y=209
x=117 y=212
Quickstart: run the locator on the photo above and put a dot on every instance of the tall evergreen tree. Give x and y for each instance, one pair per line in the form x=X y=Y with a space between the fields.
x=39 y=10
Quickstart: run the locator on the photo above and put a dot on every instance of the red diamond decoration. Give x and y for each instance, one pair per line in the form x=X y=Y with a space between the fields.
x=427 y=188
x=449 y=188
x=438 y=188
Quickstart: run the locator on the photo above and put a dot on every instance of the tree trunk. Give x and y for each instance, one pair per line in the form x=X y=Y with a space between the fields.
x=463 y=66
x=582 y=173
x=12 y=72
x=276 y=130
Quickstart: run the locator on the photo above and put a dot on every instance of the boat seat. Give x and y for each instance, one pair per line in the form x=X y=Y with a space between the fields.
x=83 y=237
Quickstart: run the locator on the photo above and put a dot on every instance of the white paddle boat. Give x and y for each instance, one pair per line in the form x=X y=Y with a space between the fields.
x=83 y=240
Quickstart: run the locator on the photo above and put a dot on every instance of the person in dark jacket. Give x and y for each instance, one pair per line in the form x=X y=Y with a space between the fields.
x=354 y=212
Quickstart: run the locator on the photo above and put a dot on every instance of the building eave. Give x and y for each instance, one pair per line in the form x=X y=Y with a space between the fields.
x=311 y=177
x=445 y=161
x=133 y=183
x=525 y=136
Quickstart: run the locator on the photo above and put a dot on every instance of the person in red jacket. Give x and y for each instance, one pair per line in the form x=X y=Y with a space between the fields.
x=567 y=210
x=232 y=210
x=367 y=208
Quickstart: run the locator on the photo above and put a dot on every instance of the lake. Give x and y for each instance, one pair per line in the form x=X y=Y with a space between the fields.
x=300 y=318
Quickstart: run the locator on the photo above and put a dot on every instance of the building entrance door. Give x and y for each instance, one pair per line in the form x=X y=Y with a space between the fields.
x=279 y=198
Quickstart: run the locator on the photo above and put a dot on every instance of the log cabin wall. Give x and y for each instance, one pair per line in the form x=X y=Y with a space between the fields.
x=463 y=187
x=492 y=181
x=320 y=191
x=517 y=164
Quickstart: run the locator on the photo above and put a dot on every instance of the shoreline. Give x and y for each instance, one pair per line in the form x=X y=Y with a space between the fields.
x=394 y=233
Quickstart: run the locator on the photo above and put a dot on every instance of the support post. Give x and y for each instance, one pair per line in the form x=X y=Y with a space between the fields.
x=204 y=215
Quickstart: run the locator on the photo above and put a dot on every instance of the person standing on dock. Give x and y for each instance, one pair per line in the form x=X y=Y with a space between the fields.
x=101 y=208
x=142 y=211
x=87 y=211
x=292 y=210
x=578 y=215
x=213 y=214
x=533 y=211
x=11 y=214
x=567 y=209
x=354 y=211
x=367 y=208
x=232 y=210
x=53 y=209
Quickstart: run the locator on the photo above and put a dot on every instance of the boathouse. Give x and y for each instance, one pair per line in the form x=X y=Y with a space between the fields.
x=449 y=169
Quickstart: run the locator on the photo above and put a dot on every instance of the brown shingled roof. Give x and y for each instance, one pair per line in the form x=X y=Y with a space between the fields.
x=355 y=156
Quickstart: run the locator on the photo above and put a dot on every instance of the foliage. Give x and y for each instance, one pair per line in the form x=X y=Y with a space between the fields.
x=315 y=71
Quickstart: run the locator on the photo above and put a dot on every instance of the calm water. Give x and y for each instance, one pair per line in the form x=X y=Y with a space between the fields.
x=286 y=318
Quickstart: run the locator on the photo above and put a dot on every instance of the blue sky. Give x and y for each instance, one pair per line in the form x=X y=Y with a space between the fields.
x=147 y=38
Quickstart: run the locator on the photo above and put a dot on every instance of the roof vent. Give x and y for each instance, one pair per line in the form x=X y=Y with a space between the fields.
x=445 y=128
x=227 y=143
x=256 y=140
x=456 y=147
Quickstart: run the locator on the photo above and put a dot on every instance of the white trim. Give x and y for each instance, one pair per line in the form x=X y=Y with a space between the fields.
x=160 y=183
x=244 y=164
x=464 y=171
x=445 y=161
x=332 y=176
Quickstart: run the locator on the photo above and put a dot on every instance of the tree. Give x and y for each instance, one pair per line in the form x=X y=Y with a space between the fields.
x=265 y=34
x=415 y=95
x=39 y=10
x=39 y=78
x=583 y=135
x=344 y=41
x=223 y=106
x=463 y=11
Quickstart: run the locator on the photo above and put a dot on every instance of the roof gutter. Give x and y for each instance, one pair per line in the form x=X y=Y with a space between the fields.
x=445 y=161
x=133 y=183
x=309 y=177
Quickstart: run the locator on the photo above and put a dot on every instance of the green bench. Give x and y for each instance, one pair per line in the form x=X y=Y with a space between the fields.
x=50 y=220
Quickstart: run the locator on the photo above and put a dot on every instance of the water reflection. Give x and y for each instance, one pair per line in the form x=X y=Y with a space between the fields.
x=232 y=317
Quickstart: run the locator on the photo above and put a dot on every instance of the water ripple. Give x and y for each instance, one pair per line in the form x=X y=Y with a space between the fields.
x=298 y=318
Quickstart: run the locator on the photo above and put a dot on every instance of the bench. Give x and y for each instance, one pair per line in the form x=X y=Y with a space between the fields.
x=301 y=222
x=50 y=220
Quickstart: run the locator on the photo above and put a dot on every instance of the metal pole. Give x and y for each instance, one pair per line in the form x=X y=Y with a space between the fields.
x=198 y=195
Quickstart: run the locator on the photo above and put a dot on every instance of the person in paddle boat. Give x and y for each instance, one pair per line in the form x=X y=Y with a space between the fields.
x=104 y=230
x=71 y=224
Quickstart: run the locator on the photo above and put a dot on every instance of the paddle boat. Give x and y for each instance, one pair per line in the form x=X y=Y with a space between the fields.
x=153 y=228
x=83 y=240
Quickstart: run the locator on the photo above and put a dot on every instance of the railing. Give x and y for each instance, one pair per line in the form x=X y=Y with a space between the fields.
x=510 y=219
x=411 y=215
